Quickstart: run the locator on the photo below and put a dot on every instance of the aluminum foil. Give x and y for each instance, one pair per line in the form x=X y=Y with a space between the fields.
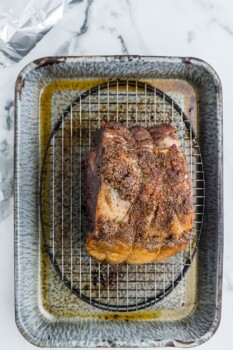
x=24 y=24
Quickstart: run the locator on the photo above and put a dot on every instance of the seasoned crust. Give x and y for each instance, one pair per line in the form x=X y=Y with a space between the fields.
x=111 y=242
x=112 y=235
x=142 y=195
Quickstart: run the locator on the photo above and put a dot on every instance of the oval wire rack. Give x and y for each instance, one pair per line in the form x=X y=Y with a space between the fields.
x=62 y=204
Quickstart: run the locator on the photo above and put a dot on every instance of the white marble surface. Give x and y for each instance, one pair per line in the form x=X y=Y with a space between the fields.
x=199 y=28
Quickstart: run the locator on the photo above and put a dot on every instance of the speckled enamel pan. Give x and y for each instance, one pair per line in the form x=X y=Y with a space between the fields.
x=49 y=311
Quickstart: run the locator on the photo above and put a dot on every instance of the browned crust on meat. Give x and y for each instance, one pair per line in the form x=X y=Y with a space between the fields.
x=143 y=256
x=176 y=199
x=148 y=170
x=160 y=131
x=112 y=243
x=92 y=188
x=111 y=240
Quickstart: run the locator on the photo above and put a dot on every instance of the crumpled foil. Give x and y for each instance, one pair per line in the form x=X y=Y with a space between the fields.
x=24 y=24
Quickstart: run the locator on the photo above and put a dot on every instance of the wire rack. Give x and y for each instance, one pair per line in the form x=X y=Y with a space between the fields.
x=62 y=204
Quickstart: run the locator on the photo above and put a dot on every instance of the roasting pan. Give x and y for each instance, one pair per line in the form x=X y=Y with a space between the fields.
x=62 y=297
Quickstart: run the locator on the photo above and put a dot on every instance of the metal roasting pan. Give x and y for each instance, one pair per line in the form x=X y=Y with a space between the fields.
x=63 y=298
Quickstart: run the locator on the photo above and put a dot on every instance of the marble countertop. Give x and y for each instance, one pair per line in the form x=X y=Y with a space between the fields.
x=198 y=28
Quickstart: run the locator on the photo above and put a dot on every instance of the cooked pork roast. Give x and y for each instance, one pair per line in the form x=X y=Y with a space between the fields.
x=138 y=195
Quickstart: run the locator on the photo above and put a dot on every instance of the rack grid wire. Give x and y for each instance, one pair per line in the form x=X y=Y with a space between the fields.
x=62 y=204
